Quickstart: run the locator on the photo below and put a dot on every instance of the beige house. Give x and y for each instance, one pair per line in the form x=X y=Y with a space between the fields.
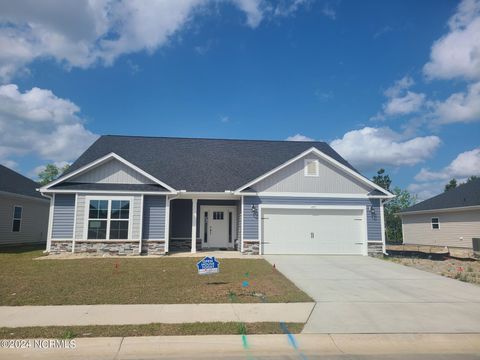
x=23 y=210
x=449 y=219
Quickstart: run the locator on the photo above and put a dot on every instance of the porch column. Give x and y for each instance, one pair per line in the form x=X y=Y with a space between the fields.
x=194 y=225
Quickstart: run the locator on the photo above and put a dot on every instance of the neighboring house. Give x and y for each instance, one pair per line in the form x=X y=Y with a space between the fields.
x=23 y=210
x=156 y=195
x=449 y=219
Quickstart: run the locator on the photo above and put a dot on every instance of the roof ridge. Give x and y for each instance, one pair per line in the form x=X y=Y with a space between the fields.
x=206 y=138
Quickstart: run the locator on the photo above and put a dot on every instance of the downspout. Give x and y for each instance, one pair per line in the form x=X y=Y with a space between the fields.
x=50 y=220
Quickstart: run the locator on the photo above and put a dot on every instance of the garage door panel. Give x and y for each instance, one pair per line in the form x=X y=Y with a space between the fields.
x=312 y=231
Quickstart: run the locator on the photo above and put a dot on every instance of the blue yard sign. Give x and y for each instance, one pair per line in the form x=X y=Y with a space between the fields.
x=209 y=265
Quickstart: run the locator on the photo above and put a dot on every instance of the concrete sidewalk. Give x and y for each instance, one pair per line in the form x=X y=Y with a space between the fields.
x=67 y=315
x=303 y=346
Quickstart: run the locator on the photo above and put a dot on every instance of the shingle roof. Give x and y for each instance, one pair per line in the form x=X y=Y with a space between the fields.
x=13 y=182
x=97 y=186
x=464 y=195
x=206 y=165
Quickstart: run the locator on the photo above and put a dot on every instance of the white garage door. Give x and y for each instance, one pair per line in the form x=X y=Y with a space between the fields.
x=312 y=231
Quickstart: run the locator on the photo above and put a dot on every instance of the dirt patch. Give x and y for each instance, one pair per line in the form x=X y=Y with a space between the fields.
x=463 y=270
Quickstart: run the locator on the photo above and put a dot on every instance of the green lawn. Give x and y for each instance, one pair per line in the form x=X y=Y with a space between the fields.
x=215 y=328
x=25 y=281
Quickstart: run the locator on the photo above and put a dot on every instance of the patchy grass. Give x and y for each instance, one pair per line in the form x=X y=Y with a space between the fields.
x=25 y=281
x=463 y=270
x=215 y=328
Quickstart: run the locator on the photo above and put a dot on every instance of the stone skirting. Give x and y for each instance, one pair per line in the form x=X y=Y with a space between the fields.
x=251 y=247
x=375 y=249
x=153 y=247
x=94 y=247
x=183 y=245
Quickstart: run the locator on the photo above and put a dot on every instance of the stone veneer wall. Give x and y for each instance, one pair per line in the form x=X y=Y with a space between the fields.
x=375 y=249
x=153 y=247
x=101 y=248
x=251 y=247
x=183 y=245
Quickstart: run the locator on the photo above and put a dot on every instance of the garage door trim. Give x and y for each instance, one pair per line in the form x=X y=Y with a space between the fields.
x=363 y=208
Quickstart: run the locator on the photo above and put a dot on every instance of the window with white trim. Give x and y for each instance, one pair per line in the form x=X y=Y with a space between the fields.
x=17 y=218
x=311 y=167
x=435 y=223
x=108 y=219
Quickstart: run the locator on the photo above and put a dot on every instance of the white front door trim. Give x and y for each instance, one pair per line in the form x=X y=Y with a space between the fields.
x=315 y=207
x=224 y=208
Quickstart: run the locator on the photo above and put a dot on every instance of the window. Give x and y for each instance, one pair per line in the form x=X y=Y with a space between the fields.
x=108 y=217
x=229 y=227
x=435 y=223
x=218 y=215
x=17 y=218
x=311 y=167
x=205 y=227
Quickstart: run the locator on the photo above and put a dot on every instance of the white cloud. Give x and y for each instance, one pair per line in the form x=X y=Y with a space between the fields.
x=399 y=86
x=88 y=32
x=299 y=137
x=425 y=191
x=289 y=7
x=329 y=11
x=369 y=148
x=463 y=166
x=457 y=54
x=37 y=122
x=411 y=102
x=401 y=101
x=459 y=107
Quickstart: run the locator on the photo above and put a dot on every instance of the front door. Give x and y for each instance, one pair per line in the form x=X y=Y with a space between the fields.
x=217 y=226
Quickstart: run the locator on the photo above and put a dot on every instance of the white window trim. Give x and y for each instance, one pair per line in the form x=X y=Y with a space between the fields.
x=14 y=218
x=317 y=167
x=438 y=222
x=363 y=208
x=108 y=219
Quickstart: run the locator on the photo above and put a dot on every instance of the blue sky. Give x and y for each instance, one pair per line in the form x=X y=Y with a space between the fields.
x=393 y=84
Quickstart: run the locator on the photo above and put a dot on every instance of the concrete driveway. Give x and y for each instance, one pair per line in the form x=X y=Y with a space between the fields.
x=357 y=294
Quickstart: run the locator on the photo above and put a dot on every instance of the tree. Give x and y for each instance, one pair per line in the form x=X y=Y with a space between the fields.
x=51 y=172
x=472 y=178
x=393 y=224
x=452 y=184
x=382 y=179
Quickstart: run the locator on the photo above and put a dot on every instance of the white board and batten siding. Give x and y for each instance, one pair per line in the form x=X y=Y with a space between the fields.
x=34 y=223
x=112 y=172
x=329 y=180
x=457 y=228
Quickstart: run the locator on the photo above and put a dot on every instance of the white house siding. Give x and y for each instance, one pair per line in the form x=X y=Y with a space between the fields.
x=454 y=226
x=34 y=223
x=112 y=172
x=136 y=209
x=330 y=180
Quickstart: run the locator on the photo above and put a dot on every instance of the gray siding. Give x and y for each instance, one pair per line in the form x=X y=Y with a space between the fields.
x=112 y=172
x=456 y=228
x=63 y=216
x=250 y=220
x=154 y=217
x=330 y=180
x=136 y=209
x=34 y=225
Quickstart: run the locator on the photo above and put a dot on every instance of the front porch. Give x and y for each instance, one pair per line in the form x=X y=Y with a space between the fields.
x=204 y=225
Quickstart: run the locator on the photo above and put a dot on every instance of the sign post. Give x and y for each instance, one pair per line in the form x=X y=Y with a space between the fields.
x=208 y=265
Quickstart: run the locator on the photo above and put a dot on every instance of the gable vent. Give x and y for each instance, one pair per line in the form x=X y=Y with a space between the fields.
x=311 y=167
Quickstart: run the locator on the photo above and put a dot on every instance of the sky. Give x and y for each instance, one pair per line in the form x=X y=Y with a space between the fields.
x=388 y=84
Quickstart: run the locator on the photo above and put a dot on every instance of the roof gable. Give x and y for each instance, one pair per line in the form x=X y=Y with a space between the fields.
x=464 y=195
x=15 y=183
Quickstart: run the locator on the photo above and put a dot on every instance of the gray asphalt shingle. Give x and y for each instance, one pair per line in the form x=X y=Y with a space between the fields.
x=13 y=182
x=206 y=165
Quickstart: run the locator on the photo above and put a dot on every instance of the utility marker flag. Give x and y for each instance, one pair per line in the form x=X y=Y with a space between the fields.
x=209 y=265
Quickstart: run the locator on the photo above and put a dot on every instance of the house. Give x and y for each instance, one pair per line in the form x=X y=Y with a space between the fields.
x=23 y=210
x=450 y=219
x=157 y=195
